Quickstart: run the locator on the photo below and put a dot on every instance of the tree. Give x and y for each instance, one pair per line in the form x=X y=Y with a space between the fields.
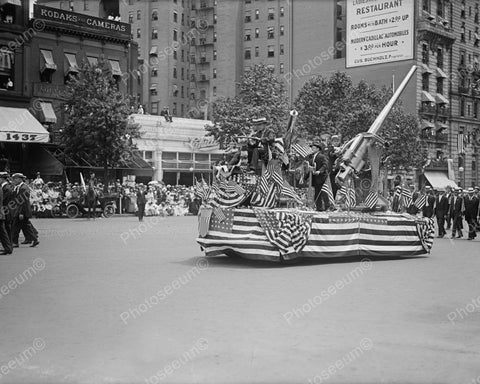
x=336 y=106
x=96 y=126
x=261 y=95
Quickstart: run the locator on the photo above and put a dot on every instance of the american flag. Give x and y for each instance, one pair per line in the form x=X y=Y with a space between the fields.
x=273 y=174
x=233 y=186
x=371 y=199
x=348 y=194
x=302 y=150
x=266 y=200
x=225 y=197
x=284 y=229
x=204 y=221
x=368 y=235
x=219 y=213
x=426 y=232
x=421 y=201
x=406 y=197
x=201 y=190
x=287 y=190
x=327 y=188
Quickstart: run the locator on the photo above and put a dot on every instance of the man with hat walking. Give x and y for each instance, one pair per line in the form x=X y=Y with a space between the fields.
x=442 y=205
x=456 y=212
x=23 y=212
x=428 y=208
x=141 y=201
x=319 y=166
x=471 y=212
x=5 y=216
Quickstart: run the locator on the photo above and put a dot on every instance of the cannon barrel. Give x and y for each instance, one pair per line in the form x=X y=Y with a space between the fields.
x=353 y=158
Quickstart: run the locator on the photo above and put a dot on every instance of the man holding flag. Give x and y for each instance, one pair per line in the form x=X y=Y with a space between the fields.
x=319 y=170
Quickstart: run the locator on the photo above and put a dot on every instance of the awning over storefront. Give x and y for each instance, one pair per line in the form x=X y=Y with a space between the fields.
x=70 y=65
x=93 y=61
x=441 y=127
x=440 y=99
x=427 y=124
x=427 y=97
x=439 y=180
x=115 y=66
x=13 y=2
x=17 y=125
x=47 y=61
x=47 y=114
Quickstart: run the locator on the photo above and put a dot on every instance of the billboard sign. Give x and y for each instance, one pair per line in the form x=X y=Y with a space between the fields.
x=379 y=31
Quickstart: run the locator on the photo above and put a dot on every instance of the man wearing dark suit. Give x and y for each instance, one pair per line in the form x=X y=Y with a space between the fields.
x=319 y=165
x=141 y=201
x=456 y=212
x=5 y=220
x=396 y=199
x=441 y=209
x=22 y=212
x=471 y=212
x=428 y=208
x=449 y=195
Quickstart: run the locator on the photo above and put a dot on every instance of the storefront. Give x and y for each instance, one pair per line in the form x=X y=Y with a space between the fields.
x=178 y=151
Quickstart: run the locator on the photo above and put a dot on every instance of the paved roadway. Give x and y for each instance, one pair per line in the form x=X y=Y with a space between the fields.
x=114 y=302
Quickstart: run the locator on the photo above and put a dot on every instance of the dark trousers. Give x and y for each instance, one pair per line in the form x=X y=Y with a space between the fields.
x=321 y=199
x=92 y=205
x=5 y=238
x=472 y=226
x=441 y=225
x=457 y=226
x=26 y=227
x=141 y=211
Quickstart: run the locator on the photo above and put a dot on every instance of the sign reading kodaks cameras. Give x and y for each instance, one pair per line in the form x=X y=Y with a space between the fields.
x=379 y=31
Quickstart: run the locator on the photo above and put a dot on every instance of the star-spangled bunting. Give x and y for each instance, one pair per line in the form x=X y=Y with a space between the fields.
x=426 y=232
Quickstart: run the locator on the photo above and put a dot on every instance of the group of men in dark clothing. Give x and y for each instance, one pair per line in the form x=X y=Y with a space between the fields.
x=15 y=213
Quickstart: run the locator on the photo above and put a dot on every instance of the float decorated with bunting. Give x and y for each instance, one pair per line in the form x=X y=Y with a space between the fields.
x=261 y=216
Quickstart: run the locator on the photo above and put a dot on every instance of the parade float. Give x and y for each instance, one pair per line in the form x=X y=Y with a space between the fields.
x=241 y=214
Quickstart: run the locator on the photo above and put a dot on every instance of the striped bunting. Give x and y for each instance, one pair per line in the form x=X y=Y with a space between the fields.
x=406 y=197
x=302 y=150
x=285 y=230
x=426 y=232
x=348 y=195
x=421 y=201
x=380 y=234
x=371 y=200
x=265 y=200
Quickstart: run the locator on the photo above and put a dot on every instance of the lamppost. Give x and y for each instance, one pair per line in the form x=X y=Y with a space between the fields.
x=461 y=170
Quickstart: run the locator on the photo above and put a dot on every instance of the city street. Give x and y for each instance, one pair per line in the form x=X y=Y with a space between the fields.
x=113 y=301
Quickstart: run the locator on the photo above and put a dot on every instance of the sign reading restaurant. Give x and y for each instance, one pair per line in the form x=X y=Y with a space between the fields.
x=71 y=19
x=379 y=31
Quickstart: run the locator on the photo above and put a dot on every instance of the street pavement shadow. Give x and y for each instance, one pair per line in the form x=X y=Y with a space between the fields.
x=239 y=262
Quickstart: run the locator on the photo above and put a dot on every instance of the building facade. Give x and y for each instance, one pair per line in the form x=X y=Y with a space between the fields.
x=178 y=151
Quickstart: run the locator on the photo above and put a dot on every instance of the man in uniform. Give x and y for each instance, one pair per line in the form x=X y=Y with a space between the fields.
x=319 y=165
x=5 y=216
x=23 y=212
x=471 y=212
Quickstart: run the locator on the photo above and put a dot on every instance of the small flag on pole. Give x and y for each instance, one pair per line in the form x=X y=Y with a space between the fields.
x=372 y=199
x=327 y=188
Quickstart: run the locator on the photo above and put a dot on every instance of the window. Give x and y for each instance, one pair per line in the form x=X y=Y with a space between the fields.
x=154 y=33
x=183 y=110
x=248 y=54
x=282 y=49
x=214 y=55
x=282 y=68
x=182 y=91
x=248 y=1
x=425 y=53
x=214 y=91
x=154 y=72
x=271 y=51
x=192 y=58
x=214 y=18
x=426 y=5
x=175 y=54
x=47 y=64
x=462 y=58
x=130 y=17
x=462 y=106
x=340 y=29
x=183 y=55
x=154 y=108
x=139 y=15
x=475 y=108
x=460 y=158
x=462 y=34
x=214 y=73
x=440 y=58
x=257 y=51
x=175 y=35
x=462 y=12
x=257 y=33
x=7 y=69
x=469 y=109
x=214 y=37
x=282 y=11
x=257 y=14
x=182 y=74
x=153 y=90
x=270 y=33
x=271 y=67
x=175 y=17
x=440 y=85
x=139 y=33
x=155 y=15
x=174 y=73
x=425 y=81
x=271 y=14
x=440 y=9
x=175 y=90
x=282 y=30
x=248 y=16
x=248 y=33
x=203 y=94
